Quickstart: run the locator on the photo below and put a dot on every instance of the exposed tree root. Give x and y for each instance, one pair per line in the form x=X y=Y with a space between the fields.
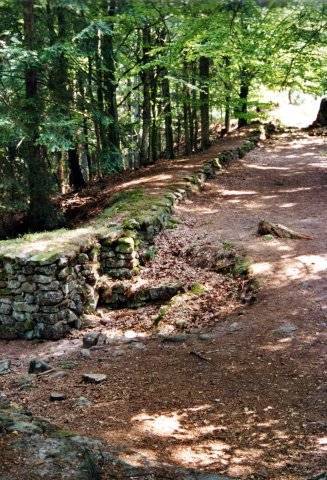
x=280 y=231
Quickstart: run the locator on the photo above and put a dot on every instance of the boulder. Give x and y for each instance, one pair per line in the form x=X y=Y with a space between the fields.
x=38 y=366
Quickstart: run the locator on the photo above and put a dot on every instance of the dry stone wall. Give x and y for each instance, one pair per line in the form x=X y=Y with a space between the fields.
x=46 y=298
x=44 y=295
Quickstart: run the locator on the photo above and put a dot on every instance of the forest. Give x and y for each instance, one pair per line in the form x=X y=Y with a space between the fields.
x=163 y=239
x=92 y=88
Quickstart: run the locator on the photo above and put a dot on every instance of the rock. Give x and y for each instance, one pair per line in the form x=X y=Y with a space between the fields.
x=174 y=338
x=117 y=352
x=38 y=366
x=320 y=476
x=4 y=401
x=205 y=337
x=50 y=297
x=138 y=345
x=286 y=328
x=4 y=367
x=83 y=402
x=83 y=258
x=94 y=377
x=5 y=308
x=24 y=427
x=42 y=279
x=57 y=397
x=234 y=327
x=94 y=338
x=85 y=353
x=28 y=287
x=25 y=307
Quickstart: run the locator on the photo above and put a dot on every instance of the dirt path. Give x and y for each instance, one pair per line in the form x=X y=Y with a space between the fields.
x=256 y=409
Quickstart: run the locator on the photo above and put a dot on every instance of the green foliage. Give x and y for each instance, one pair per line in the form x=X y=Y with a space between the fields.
x=198 y=289
x=89 y=60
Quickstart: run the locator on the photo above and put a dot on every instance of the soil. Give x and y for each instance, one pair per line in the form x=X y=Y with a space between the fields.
x=244 y=393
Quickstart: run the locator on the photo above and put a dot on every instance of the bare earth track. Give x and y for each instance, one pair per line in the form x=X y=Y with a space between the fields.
x=256 y=409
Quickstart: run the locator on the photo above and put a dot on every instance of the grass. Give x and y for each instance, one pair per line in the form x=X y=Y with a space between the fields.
x=241 y=267
x=197 y=289
x=227 y=246
x=150 y=253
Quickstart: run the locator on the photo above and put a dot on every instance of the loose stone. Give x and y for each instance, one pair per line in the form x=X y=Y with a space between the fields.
x=83 y=402
x=57 y=397
x=38 y=366
x=173 y=338
x=5 y=367
x=94 y=377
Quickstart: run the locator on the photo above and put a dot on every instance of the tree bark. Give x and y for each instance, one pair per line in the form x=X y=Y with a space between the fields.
x=64 y=96
x=146 y=106
x=41 y=212
x=228 y=88
x=243 y=96
x=110 y=86
x=204 y=71
x=167 y=111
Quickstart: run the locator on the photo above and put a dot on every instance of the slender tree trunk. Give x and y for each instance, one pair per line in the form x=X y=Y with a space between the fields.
x=110 y=85
x=204 y=72
x=194 y=109
x=82 y=107
x=243 y=96
x=167 y=111
x=95 y=160
x=41 y=212
x=102 y=134
x=65 y=98
x=154 y=122
x=186 y=112
x=146 y=107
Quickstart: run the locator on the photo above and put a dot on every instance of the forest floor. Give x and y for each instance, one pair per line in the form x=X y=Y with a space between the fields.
x=244 y=394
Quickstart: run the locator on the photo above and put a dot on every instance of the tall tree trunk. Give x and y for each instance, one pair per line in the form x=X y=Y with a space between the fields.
x=146 y=107
x=243 y=97
x=167 y=111
x=204 y=72
x=75 y=175
x=194 y=110
x=94 y=107
x=110 y=85
x=186 y=112
x=41 y=212
x=154 y=124
x=82 y=107
x=64 y=96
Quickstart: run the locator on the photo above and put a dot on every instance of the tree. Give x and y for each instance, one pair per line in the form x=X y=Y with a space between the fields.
x=41 y=212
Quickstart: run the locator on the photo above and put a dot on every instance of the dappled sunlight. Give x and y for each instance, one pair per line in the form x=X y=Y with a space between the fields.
x=204 y=454
x=322 y=444
x=144 y=180
x=287 y=205
x=260 y=268
x=139 y=457
x=319 y=165
x=265 y=167
x=162 y=425
x=197 y=209
x=227 y=193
